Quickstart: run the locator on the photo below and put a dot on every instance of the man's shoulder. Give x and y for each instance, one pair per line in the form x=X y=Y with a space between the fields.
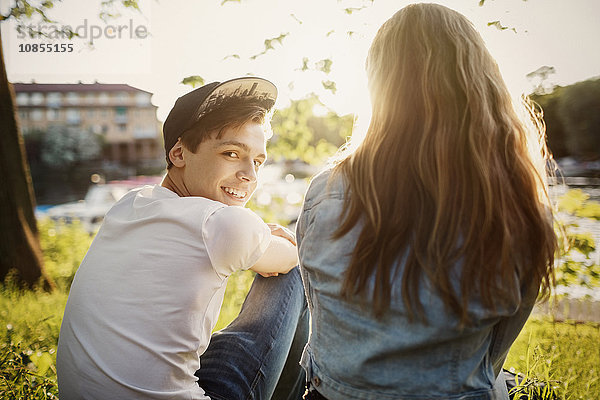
x=236 y=217
x=156 y=202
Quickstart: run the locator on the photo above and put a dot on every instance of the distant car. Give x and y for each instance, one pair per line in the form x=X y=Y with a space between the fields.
x=98 y=200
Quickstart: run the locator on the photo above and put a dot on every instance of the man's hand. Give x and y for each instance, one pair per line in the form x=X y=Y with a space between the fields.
x=283 y=232
x=278 y=230
x=268 y=274
x=281 y=255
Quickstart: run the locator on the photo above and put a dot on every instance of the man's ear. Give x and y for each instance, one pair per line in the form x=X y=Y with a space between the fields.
x=176 y=154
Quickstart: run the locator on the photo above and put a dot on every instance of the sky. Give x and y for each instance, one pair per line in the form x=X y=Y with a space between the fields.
x=172 y=39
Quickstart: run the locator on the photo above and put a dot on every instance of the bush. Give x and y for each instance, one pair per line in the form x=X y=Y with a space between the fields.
x=64 y=246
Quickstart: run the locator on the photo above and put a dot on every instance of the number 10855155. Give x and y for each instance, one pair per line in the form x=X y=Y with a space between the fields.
x=45 y=48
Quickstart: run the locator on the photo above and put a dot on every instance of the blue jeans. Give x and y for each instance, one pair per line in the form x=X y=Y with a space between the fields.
x=257 y=356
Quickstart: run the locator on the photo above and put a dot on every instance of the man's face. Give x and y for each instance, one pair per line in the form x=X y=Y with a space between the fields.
x=225 y=169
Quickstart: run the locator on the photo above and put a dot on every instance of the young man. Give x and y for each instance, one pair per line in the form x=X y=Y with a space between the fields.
x=147 y=295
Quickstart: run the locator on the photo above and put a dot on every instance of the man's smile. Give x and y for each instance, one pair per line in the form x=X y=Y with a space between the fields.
x=235 y=193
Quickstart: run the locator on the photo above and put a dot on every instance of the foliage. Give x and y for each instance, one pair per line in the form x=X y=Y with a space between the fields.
x=65 y=147
x=64 y=247
x=498 y=25
x=301 y=135
x=26 y=10
x=556 y=133
x=564 y=357
x=19 y=376
x=193 y=81
x=572 y=121
x=540 y=79
x=238 y=285
x=576 y=266
x=269 y=44
x=23 y=9
x=31 y=320
x=273 y=212
x=578 y=109
x=61 y=161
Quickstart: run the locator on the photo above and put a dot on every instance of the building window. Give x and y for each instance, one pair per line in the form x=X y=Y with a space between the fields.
x=37 y=114
x=24 y=115
x=120 y=115
x=142 y=99
x=73 y=116
x=90 y=98
x=52 y=114
x=144 y=132
x=122 y=127
x=72 y=98
x=122 y=97
x=103 y=98
x=54 y=99
x=37 y=99
x=22 y=99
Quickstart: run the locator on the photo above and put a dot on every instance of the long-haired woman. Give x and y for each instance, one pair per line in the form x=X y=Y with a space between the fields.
x=424 y=249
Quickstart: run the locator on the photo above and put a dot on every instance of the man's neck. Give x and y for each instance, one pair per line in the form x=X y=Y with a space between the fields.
x=174 y=182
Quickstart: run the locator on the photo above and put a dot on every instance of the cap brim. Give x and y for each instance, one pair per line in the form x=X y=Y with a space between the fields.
x=253 y=88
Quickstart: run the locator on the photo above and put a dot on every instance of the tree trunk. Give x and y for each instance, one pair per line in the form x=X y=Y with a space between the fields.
x=20 y=248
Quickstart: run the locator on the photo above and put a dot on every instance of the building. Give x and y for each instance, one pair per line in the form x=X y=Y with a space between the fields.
x=123 y=115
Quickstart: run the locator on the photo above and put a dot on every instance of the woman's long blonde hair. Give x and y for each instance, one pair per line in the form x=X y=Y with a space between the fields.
x=448 y=173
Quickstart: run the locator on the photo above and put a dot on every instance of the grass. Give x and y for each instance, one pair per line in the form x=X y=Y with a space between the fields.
x=563 y=356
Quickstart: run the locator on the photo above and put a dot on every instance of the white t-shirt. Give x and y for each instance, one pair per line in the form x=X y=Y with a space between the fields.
x=148 y=294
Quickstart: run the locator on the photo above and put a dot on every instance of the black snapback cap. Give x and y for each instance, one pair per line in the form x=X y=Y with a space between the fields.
x=191 y=107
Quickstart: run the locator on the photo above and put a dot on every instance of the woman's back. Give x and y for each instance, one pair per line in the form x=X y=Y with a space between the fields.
x=352 y=354
x=424 y=249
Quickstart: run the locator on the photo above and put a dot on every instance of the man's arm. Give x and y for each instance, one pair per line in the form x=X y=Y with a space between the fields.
x=281 y=255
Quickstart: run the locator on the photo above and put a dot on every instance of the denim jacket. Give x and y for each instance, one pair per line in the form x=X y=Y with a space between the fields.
x=353 y=355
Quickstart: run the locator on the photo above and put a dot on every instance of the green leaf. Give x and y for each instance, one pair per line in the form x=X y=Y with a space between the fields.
x=268 y=43
x=193 y=81
x=299 y=21
x=498 y=25
x=42 y=361
x=304 y=64
x=131 y=4
x=324 y=65
x=350 y=10
x=330 y=85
